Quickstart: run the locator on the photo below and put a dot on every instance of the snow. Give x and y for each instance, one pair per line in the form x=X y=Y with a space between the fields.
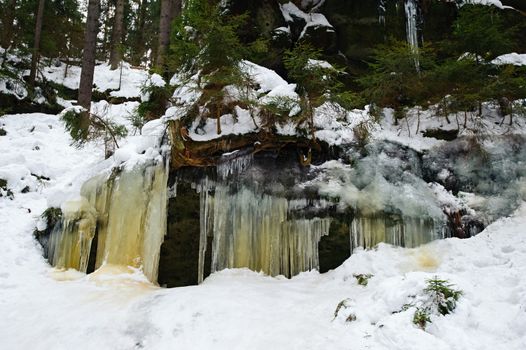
x=133 y=79
x=268 y=87
x=511 y=58
x=496 y=3
x=11 y=86
x=267 y=79
x=241 y=124
x=318 y=64
x=312 y=19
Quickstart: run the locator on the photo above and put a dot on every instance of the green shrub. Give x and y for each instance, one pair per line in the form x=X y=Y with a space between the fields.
x=100 y=127
x=154 y=107
x=439 y=298
x=363 y=279
x=443 y=295
x=421 y=317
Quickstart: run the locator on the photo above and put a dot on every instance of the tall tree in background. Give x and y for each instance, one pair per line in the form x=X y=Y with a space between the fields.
x=36 y=45
x=138 y=45
x=393 y=80
x=170 y=9
x=88 y=63
x=480 y=30
x=7 y=18
x=116 y=39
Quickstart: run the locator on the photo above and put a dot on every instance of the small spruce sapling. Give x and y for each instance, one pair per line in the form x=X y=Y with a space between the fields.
x=100 y=127
x=363 y=278
x=317 y=82
x=443 y=295
x=439 y=298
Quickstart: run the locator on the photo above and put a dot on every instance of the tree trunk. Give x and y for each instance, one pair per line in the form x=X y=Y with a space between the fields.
x=139 y=45
x=104 y=15
x=36 y=47
x=7 y=21
x=88 y=63
x=116 y=38
x=169 y=10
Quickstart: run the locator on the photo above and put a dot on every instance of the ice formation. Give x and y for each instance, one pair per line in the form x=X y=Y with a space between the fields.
x=128 y=210
x=368 y=231
x=250 y=229
x=381 y=11
x=70 y=241
x=411 y=14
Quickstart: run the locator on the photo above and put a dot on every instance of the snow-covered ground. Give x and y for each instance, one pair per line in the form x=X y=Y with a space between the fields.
x=126 y=82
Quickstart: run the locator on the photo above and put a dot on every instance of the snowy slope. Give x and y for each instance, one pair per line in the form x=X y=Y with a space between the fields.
x=131 y=79
x=237 y=309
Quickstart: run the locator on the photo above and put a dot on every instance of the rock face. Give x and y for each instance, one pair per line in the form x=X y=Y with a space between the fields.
x=353 y=27
x=349 y=27
x=250 y=212
x=361 y=25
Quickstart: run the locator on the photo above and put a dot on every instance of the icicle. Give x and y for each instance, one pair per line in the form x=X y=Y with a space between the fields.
x=133 y=220
x=251 y=230
x=205 y=203
x=382 y=9
x=233 y=164
x=411 y=14
x=368 y=231
x=70 y=242
x=129 y=211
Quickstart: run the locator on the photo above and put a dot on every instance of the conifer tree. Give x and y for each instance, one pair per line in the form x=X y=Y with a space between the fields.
x=6 y=19
x=393 y=79
x=507 y=88
x=170 y=9
x=116 y=38
x=36 y=42
x=480 y=30
x=317 y=81
x=206 y=42
x=88 y=64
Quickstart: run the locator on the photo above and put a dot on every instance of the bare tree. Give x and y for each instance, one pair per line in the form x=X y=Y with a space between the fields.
x=36 y=46
x=88 y=62
x=116 y=39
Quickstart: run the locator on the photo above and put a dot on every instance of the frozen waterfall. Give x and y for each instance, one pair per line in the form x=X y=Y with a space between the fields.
x=412 y=24
x=127 y=210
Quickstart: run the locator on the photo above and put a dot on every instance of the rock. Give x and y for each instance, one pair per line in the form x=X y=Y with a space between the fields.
x=440 y=134
x=264 y=17
x=322 y=37
x=3 y=132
